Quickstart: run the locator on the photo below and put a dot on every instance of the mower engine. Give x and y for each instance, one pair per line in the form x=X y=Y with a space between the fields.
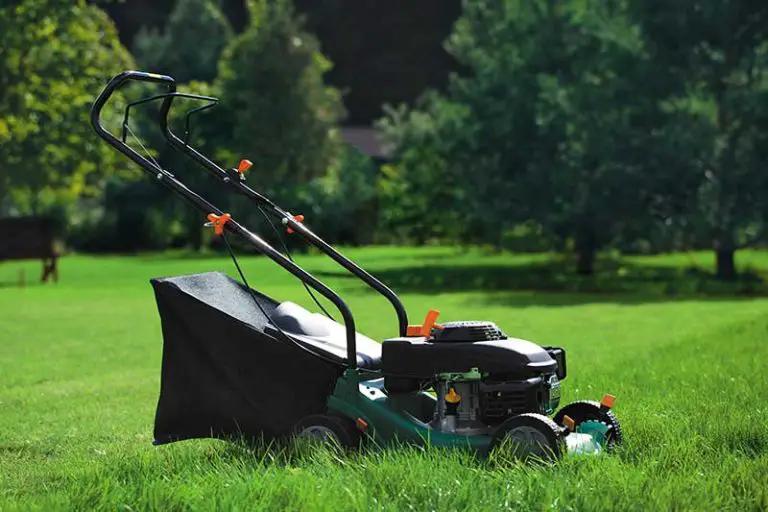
x=481 y=377
x=490 y=386
x=473 y=402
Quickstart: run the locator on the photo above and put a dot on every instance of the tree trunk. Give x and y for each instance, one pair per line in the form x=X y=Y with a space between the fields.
x=194 y=231
x=498 y=246
x=196 y=239
x=586 y=251
x=726 y=264
x=3 y=198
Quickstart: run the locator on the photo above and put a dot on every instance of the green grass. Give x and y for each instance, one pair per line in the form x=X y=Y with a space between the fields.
x=79 y=377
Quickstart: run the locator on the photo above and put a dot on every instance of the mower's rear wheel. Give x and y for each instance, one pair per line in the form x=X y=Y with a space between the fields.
x=332 y=429
x=527 y=436
x=583 y=411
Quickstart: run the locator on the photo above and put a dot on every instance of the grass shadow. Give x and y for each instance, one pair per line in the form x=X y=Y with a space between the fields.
x=12 y=284
x=554 y=282
x=28 y=283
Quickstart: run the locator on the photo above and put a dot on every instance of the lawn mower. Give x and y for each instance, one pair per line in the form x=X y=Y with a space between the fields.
x=239 y=364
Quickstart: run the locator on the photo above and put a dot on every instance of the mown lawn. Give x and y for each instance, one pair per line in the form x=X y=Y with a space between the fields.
x=687 y=359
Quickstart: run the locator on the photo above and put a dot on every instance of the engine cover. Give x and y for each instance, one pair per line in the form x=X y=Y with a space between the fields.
x=505 y=358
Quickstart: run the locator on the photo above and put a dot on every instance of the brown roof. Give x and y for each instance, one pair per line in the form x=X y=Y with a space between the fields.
x=367 y=140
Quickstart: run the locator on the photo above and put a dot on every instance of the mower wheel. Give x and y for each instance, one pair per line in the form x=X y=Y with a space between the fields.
x=337 y=430
x=586 y=411
x=529 y=436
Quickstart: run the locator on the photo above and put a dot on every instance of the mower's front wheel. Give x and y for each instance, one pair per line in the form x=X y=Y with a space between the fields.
x=336 y=430
x=590 y=417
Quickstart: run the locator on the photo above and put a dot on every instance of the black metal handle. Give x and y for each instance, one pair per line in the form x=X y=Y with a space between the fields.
x=120 y=80
x=217 y=171
x=202 y=204
x=168 y=95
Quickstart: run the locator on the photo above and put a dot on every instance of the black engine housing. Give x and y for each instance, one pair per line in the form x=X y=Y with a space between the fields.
x=516 y=372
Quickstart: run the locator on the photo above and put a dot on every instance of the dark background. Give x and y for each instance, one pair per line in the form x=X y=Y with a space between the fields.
x=384 y=51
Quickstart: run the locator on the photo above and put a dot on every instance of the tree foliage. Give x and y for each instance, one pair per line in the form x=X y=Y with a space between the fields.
x=54 y=59
x=716 y=53
x=584 y=124
x=189 y=46
x=569 y=117
x=277 y=110
x=385 y=52
x=421 y=197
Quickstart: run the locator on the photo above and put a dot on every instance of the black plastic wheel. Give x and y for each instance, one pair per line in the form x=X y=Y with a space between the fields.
x=336 y=430
x=528 y=436
x=589 y=410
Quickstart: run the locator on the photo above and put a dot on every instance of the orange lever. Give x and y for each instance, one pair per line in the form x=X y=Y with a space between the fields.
x=424 y=329
x=413 y=331
x=218 y=222
x=244 y=166
x=429 y=322
x=297 y=218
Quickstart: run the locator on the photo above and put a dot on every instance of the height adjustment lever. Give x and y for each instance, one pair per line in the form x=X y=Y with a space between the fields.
x=297 y=218
x=244 y=165
x=217 y=222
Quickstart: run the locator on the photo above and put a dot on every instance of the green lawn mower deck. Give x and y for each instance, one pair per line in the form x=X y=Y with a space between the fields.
x=239 y=364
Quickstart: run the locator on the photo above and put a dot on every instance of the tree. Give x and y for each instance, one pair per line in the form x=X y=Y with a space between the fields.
x=717 y=53
x=190 y=45
x=419 y=195
x=610 y=159
x=55 y=56
x=188 y=48
x=559 y=123
x=342 y=205
x=277 y=111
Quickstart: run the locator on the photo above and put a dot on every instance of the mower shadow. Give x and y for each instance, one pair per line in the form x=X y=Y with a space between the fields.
x=553 y=283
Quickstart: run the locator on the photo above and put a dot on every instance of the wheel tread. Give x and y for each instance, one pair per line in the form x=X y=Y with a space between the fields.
x=582 y=410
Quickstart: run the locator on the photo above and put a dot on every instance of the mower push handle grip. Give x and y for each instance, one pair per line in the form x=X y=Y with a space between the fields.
x=120 y=80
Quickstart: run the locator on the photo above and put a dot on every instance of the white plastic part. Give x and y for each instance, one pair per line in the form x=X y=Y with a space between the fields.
x=578 y=443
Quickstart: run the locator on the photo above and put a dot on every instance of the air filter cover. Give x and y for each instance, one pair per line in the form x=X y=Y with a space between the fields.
x=468 y=331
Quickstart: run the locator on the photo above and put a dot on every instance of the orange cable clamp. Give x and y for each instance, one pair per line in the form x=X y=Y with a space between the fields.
x=218 y=222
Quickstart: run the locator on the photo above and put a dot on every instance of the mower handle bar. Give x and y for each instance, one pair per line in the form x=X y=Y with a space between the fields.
x=202 y=204
x=286 y=218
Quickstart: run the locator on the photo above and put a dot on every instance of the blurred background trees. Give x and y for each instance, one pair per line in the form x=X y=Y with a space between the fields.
x=716 y=54
x=574 y=126
x=599 y=122
x=53 y=55
x=191 y=43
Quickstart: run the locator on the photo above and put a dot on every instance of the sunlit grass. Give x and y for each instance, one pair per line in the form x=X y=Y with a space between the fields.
x=79 y=377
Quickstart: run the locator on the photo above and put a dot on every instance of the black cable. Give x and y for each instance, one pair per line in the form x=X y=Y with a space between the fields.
x=268 y=219
x=253 y=296
x=261 y=308
x=287 y=337
x=288 y=255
